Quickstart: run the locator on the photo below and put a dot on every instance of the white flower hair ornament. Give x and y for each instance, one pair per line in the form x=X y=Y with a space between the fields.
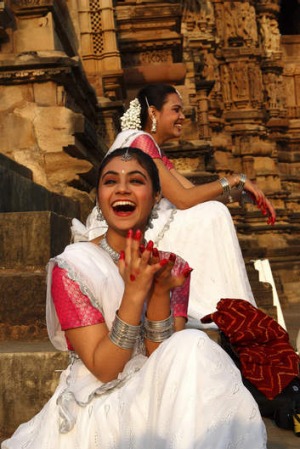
x=131 y=119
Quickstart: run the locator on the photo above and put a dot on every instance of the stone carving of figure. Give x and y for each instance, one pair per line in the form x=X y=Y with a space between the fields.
x=274 y=91
x=231 y=18
x=226 y=84
x=270 y=34
x=240 y=81
x=219 y=19
x=208 y=71
x=247 y=22
x=255 y=83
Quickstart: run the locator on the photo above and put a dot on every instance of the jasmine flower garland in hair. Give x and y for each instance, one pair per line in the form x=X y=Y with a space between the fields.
x=131 y=119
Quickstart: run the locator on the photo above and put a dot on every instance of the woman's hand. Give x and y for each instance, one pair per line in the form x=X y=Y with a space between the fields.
x=137 y=267
x=165 y=280
x=261 y=201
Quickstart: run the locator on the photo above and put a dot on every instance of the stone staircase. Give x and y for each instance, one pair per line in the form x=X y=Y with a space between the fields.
x=34 y=226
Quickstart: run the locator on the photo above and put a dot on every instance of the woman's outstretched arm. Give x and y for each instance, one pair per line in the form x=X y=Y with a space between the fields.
x=183 y=194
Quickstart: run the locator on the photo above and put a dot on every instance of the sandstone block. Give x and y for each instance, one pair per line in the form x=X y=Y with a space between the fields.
x=12 y=96
x=28 y=379
x=21 y=194
x=45 y=94
x=264 y=165
x=43 y=30
x=10 y=139
x=29 y=239
x=22 y=297
x=223 y=160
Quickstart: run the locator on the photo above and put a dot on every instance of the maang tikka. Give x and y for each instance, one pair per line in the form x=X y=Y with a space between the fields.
x=126 y=156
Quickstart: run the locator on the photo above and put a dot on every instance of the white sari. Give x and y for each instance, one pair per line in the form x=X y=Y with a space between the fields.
x=187 y=394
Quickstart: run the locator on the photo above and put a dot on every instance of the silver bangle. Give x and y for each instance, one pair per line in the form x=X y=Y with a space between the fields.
x=158 y=331
x=243 y=179
x=123 y=334
x=226 y=188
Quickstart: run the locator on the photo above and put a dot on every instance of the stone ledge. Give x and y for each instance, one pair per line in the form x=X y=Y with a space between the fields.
x=30 y=239
x=22 y=194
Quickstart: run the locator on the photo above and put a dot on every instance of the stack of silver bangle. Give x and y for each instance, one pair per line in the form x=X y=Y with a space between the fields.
x=226 y=188
x=124 y=335
x=158 y=331
x=243 y=179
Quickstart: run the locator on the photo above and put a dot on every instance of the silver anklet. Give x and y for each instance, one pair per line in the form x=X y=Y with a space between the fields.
x=158 y=331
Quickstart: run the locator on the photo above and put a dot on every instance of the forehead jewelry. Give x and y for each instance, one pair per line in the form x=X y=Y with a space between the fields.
x=126 y=156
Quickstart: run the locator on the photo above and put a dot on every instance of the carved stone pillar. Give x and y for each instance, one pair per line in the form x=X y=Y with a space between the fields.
x=99 y=49
x=150 y=42
x=203 y=88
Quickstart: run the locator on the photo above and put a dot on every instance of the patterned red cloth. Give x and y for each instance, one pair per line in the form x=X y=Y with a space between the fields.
x=267 y=358
x=146 y=144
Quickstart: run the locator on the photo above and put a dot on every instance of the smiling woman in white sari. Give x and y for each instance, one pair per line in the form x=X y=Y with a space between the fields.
x=137 y=378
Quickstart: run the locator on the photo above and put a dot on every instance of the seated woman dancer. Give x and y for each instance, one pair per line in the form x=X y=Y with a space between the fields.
x=188 y=221
x=137 y=379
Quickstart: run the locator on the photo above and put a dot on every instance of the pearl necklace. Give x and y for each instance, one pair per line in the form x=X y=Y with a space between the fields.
x=113 y=254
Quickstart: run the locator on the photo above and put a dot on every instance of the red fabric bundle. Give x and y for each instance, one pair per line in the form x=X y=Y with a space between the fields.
x=266 y=356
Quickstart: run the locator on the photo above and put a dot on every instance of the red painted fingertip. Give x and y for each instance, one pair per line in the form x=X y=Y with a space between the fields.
x=163 y=262
x=149 y=246
x=172 y=257
x=137 y=235
x=130 y=234
x=155 y=252
x=187 y=271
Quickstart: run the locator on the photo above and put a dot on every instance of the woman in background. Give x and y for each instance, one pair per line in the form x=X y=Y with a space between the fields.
x=189 y=221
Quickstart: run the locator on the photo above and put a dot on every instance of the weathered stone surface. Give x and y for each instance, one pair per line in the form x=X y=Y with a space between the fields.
x=22 y=296
x=22 y=194
x=14 y=96
x=30 y=239
x=29 y=376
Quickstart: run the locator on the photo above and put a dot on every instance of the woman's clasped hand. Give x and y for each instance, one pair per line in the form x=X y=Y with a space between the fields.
x=141 y=265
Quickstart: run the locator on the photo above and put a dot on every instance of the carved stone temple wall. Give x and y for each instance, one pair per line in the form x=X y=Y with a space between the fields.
x=67 y=69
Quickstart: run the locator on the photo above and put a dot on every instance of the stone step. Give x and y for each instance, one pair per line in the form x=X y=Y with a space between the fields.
x=29 y=375
x=30 y=239
x=22 y=305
